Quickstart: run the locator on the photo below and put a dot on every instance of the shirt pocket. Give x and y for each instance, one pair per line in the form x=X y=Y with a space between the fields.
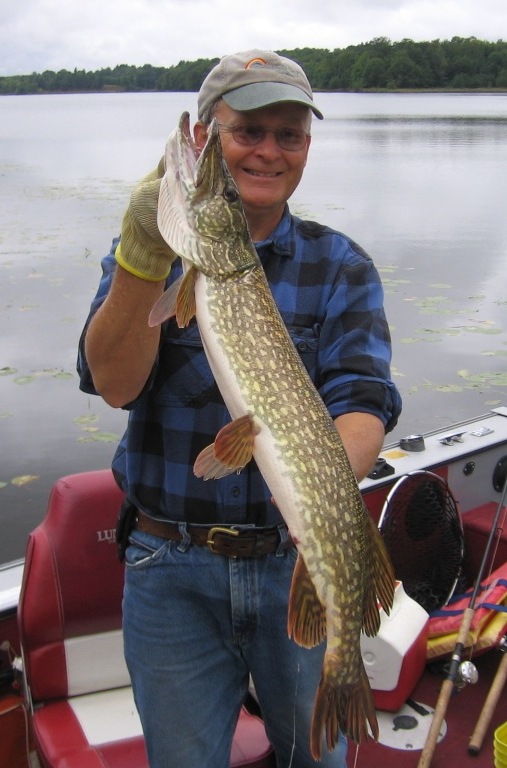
x=306 y=341
x=183 y=377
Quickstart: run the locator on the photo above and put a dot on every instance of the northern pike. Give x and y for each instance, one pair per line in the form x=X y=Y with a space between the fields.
x=279 y=420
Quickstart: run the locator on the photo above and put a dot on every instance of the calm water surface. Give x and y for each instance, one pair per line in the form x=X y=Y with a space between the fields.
x=419 y=181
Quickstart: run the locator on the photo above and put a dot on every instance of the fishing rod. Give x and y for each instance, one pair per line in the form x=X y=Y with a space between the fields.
x=449 y=683
x=477 y=737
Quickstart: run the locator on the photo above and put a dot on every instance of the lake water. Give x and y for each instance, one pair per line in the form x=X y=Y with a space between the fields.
x=419 y=180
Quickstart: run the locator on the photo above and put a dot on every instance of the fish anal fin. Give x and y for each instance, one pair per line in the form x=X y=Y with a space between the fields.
x=306 y=621
x=165 y=306
x=347 y=708
x=232 y=450
x=185 y=300
x=381 y=586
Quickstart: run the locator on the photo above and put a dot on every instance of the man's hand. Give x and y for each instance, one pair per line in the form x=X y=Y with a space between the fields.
x=142 y=250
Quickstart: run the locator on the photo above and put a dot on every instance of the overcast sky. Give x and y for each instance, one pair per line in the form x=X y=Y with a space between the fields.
x=36 y=35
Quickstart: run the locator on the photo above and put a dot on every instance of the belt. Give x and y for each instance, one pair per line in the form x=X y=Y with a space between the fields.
x=230 y=542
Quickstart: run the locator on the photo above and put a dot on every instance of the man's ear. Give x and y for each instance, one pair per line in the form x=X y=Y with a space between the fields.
x=200 y=134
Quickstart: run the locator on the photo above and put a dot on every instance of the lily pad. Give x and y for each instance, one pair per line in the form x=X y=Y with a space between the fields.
x=495 y=378
x=24 y=479
x=8 y=371
x=99 y=437
x=447 y=388
x=90 y=419
x=482 y=329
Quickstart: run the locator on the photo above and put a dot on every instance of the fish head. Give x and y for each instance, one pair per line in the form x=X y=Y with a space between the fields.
x=200 y=214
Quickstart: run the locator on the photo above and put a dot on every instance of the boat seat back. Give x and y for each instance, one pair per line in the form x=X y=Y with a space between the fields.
x=70 y=603
x=76 y=679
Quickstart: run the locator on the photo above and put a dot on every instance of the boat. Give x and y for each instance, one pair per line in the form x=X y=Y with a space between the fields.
x=65 y=699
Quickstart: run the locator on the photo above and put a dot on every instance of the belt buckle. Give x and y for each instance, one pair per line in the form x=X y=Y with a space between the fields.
x=210 y=541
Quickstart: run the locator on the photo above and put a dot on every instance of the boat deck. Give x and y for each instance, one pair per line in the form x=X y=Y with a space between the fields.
x=461 y=718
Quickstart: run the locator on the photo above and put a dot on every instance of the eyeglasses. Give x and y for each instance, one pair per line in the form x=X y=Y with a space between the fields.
x=290 y=139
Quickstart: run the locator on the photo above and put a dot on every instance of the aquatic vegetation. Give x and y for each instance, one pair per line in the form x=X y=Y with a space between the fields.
x=93 y=433
x=24 y=479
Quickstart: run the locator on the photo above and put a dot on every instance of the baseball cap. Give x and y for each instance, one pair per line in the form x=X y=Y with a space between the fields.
x=255 y=79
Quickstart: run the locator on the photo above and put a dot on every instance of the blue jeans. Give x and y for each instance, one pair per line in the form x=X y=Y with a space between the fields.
x=196 y=625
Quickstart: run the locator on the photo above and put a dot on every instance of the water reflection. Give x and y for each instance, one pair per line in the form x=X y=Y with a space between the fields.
x=418 y=180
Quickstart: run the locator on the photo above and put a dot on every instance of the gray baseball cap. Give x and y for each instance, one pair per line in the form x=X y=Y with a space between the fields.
x=255 y=79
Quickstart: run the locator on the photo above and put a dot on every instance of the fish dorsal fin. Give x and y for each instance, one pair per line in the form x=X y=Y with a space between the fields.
x=306 y=622
x=381 y=584
x=232 y=450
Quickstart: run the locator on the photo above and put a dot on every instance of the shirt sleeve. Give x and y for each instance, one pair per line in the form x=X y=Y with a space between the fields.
x=108 y=267
x=355 y=343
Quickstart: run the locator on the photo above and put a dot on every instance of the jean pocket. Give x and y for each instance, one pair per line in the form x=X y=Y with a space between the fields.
x=144 y=550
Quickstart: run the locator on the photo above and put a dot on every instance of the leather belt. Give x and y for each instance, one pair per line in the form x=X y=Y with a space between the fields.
x=221 y=540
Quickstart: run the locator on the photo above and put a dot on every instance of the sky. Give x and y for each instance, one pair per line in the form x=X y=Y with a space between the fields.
x=39 y=35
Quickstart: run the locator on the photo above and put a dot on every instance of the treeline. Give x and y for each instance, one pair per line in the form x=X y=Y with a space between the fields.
x=456 y=64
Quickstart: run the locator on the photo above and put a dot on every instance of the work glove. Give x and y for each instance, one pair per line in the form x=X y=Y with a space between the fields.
x=142 y=250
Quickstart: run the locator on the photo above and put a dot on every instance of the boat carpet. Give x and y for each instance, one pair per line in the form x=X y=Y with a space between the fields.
x=461 y=718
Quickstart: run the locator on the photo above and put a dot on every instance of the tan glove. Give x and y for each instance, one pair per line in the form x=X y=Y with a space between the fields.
x=142 y=249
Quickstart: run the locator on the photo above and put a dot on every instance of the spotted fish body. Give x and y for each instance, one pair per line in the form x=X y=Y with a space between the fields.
x=279 y=419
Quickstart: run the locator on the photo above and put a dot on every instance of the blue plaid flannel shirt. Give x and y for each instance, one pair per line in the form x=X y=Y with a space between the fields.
x=331 y=299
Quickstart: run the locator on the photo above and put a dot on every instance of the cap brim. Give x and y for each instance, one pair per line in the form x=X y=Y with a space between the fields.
x=258 y=95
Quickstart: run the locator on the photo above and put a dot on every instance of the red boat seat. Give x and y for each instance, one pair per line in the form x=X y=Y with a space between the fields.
x=69 y=619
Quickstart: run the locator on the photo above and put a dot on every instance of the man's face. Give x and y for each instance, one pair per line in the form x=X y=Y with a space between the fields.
x=266 y=174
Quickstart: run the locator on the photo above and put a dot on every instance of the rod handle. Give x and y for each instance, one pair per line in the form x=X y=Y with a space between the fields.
x=488 y=708
x=446 y=691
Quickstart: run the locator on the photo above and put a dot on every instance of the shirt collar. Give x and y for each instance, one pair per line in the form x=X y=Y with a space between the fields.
x=281 y=241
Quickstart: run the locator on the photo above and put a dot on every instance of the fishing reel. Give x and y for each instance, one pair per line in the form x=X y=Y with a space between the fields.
x=467 y=675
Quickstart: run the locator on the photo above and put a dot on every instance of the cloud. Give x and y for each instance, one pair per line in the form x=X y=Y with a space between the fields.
x=36 y=35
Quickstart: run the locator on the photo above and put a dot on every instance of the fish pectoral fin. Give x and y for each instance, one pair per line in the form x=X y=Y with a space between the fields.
x=306 y=621
x=165 y=307
x=381 y=586
x=208 y=467
x=185 y=300
x=231 y=451
x=348 y=707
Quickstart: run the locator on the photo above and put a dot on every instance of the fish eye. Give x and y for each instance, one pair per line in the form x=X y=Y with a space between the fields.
x=231 y=194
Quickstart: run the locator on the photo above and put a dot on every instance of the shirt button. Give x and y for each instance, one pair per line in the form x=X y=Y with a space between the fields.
x=236 y=491
x=302 y=346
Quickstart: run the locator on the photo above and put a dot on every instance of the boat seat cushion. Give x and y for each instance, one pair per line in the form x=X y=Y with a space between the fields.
x=103 y=730
x=70 y=632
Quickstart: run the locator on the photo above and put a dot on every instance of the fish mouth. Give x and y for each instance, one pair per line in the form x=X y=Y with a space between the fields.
x=210 y=168
x=211 y=174
x=201 y=169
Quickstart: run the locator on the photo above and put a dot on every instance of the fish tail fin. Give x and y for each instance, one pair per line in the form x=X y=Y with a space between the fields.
x=381 y=584
x=346 y=708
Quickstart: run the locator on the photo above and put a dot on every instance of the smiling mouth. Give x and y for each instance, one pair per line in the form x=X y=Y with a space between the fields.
x=262 y=175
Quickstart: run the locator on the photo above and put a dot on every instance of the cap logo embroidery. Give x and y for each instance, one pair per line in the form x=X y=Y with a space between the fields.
x=255 y=63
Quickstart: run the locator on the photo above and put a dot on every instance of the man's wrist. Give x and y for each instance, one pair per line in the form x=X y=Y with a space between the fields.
x=138 y=269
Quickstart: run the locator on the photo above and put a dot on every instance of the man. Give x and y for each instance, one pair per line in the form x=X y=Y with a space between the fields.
x=198 y=618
